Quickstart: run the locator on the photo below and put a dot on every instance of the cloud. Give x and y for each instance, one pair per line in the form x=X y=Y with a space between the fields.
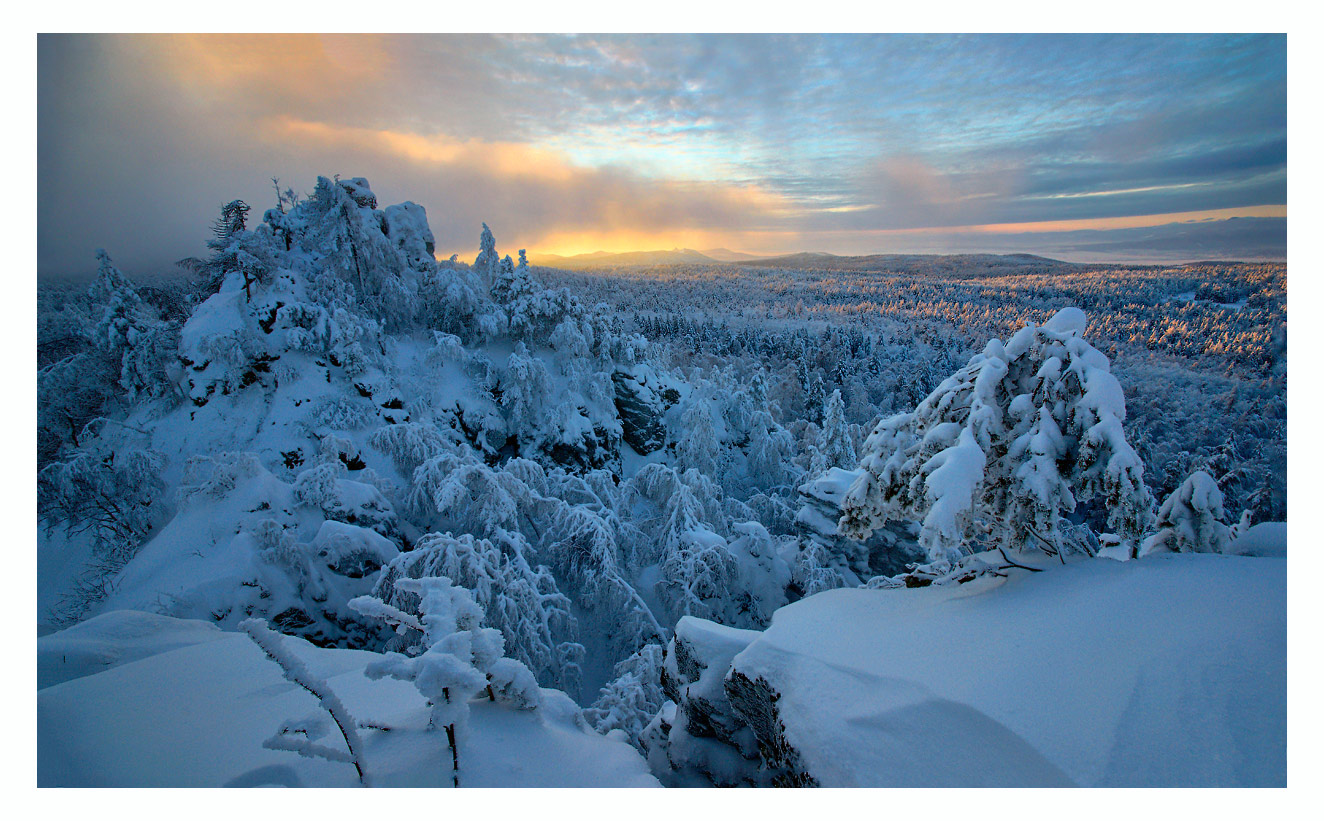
x=767 y=143
x=536 y=196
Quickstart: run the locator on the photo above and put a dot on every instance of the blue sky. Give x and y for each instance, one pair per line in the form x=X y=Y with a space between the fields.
x=568 y=144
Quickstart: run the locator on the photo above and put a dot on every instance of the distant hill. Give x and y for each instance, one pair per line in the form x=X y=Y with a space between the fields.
x=726 y=255
x=603 y=259
x=958 y=264
x=948 y=264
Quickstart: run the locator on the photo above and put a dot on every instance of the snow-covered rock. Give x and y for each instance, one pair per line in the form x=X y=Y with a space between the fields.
x=641 y=409
x=1170 y=671
x=885 y=552
x=705 y=738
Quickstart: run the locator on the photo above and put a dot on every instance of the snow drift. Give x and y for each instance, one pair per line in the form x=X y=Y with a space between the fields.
x=1171 y=671
x=196 y=715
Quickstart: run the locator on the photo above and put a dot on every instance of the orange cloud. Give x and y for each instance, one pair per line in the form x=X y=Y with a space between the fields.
x=556 y=205
x=230 y=65
x=501 y=158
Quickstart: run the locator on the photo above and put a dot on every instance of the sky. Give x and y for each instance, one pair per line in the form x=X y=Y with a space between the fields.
x=1081 y=146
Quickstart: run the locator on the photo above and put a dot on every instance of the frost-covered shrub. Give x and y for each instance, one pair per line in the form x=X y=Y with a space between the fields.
x=216 y=475
x=460 y=659
x=114 y=500
x=448 y=348
x=301 y=736
x=343 y=413
x=632 y=697
x=324 y=488
x=1190 y=520
x=1011 y=441
x=813 y=571
x=70 y=394
x=410 y=444
x=519 y=599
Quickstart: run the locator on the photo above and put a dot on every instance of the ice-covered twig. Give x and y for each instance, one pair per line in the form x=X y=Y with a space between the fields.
x=375 y=608
x=1010 y=563
x=296 y=671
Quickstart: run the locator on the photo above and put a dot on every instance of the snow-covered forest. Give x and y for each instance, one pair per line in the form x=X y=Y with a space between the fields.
x=405 y=522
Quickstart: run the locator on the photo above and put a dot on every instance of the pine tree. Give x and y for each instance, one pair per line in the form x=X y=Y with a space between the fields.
x=1009 y=443
x=834 y=446
x=487 y=262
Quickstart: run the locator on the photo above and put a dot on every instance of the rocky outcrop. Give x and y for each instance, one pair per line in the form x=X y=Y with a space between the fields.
x=640 y=403
x=885 y=553
x=698 y=738
x=596 y=447
x=360 y=191
x=754 y=701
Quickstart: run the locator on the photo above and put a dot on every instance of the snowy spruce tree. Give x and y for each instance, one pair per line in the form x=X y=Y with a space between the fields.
x=1190 y=520
x=1004 y=448
x=834 y=448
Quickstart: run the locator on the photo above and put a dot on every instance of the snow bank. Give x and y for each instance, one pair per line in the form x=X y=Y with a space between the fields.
x=1263 y=539
x=1170 y=671
x=112 y=639
x=197 y=716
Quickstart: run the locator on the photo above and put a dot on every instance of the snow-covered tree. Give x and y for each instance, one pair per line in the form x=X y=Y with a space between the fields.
x=1010 y=443
x=128 y=331
x=633 y=696
x=770 y=450
x=698 y=573
x=1190 y=520
x=70 y=394
x=524 y=390
x=487 y=262
x=697 y=444
x=519 y=599
x=513 y=282
x=834 y=447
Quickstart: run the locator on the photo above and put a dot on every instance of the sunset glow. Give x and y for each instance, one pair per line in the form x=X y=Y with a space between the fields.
x=758 y=144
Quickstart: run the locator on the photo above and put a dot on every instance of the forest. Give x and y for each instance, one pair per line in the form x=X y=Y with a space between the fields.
x=482 y=518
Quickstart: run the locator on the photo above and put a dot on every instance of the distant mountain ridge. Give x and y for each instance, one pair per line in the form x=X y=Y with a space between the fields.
x=948 y=263
x=982 y=263
x=604 y=259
